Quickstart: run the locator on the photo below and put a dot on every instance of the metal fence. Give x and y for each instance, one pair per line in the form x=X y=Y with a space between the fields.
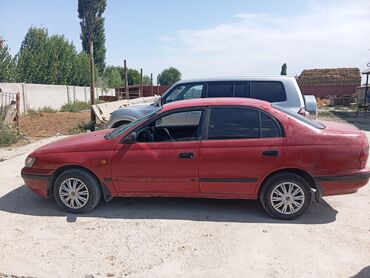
x=9 y=105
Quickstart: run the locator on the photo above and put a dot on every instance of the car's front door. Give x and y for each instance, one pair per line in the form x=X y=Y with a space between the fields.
x=242 y=145
x=165 y=158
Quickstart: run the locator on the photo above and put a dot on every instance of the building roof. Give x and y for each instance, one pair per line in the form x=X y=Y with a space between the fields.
x=366 y=71
x=335 y=76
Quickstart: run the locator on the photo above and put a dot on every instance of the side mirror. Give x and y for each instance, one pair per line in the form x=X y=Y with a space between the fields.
x=129 y=139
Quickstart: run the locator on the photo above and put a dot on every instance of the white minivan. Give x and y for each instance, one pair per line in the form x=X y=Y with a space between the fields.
x=280 y=90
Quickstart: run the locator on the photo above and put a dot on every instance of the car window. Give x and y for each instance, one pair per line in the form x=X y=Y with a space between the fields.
x=178 y=126
x=242 y=89
x=220 y=89
x=271 y=91
x=233 y=123
x=184 y=91
x=119 y=130
x=269 y=127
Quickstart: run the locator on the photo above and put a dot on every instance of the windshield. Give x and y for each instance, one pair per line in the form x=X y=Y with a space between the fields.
x=119 y=130
x=300 y=117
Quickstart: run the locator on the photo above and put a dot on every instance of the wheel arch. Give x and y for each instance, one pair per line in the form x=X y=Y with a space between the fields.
x=107 y=194
x=304 y=174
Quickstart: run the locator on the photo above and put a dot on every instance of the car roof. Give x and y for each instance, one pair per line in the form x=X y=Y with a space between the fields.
x=238 y=78
x=217 y=102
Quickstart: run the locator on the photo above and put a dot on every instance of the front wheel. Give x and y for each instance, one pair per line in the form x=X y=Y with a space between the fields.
x=77 y=191
x=286 y=196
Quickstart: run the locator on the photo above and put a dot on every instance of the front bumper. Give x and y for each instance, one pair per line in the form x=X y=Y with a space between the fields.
x=37 y=181
x=343 y=183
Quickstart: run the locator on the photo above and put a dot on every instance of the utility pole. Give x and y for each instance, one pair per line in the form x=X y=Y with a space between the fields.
x=92 y=81
x=151 y=82
x=141 y=82
x=126 y=81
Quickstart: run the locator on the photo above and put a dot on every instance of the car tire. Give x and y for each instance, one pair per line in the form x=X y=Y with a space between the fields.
x=77 y=191
x=286 y=196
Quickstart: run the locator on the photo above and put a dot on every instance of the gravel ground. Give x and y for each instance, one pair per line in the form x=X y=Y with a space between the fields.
x=157 y=237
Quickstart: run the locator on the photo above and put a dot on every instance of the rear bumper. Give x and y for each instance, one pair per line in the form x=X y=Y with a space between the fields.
x=37 y=182
x=343 y=183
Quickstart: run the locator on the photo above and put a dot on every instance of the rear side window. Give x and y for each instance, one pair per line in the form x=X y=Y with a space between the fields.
x=242 y=89
x=271 y=91
x=220 y=89
x=269 y=127
x=239 y=122
x=233 y=123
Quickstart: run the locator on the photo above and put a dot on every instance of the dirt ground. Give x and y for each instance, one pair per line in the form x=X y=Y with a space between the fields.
x=50 y=124
x=154 y=237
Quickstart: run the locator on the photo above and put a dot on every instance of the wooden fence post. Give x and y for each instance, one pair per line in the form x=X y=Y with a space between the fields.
x=141 y=83
x=17 y=100
x=127 y=93
x=151 y=83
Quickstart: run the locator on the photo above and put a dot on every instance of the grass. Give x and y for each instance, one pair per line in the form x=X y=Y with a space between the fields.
x=82 y=127
x=75 y=106
x=45 y=109
x=8 y=136
x=326 y=114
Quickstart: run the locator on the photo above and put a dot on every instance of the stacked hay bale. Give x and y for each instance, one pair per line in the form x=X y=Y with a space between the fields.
x=328 y=83
x=339 y=76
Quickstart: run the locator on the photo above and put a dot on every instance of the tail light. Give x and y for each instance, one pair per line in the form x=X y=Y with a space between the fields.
x=363 y=157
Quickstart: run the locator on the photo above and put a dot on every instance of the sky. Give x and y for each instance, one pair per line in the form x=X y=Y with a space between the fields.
x=210 y=38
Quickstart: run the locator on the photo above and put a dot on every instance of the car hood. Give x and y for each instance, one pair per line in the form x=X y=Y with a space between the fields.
x=92 y=141
x=142 y=109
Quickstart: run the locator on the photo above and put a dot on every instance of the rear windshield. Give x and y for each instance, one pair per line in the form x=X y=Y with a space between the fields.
x=299 y=117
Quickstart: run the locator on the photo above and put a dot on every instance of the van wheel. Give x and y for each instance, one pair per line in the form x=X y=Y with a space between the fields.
x=77 y=191
x=286 y=196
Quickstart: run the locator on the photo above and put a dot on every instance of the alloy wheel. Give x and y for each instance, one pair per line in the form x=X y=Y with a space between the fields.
x=74 y=193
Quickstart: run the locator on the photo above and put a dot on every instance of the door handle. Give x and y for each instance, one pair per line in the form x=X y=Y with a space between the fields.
x=186 y=155
x=270 y=153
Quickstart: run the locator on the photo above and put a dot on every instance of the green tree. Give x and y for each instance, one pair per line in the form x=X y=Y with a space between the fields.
x=113 y=76
x=90 y=12
x=133 y=77
x=169 y=76
x=283 y=69
x=61 y=56
x=7 y=64
x=51 y=60
x=146 y=80
x=32 y=57
x=80 y=72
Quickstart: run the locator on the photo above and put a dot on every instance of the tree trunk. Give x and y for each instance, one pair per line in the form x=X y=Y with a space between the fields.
x=92 y=82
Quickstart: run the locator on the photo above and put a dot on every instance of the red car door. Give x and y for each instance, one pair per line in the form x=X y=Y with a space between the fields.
x=165 y=158
x=242 y=146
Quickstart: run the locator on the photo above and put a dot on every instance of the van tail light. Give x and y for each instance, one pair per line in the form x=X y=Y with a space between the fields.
x=363 y=157
x=303 y=112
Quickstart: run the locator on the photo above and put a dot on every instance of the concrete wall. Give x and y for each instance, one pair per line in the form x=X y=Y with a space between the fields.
x=39 y=95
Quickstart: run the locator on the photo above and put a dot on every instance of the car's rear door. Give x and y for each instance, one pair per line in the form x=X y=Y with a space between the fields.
x=242 y=145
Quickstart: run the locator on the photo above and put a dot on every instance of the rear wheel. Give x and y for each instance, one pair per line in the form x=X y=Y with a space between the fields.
x=286 y=196
x=77 y=191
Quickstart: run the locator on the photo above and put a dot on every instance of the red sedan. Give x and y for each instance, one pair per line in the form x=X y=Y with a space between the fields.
x=208 y=148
